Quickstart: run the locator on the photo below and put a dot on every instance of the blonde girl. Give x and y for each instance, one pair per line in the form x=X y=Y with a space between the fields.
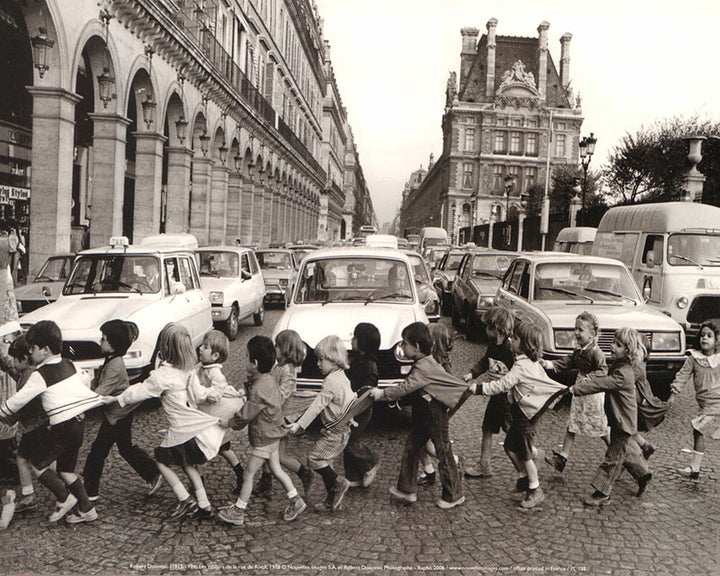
x=703 y=367
x=193 y=437
x=333 y=400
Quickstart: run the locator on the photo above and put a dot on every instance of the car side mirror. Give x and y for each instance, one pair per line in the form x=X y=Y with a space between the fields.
x=46 y=293
x=650 y=259
x=245 y=275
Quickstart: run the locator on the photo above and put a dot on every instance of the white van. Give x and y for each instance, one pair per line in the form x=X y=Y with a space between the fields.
x=432 y=236
x=576 y=240
x=673 y=251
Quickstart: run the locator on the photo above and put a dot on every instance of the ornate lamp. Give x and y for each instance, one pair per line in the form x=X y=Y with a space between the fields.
x=223 y=152
x=105 y=86
x=204 y=143
x=181 y=128
x=40 y=45
x=148 y=108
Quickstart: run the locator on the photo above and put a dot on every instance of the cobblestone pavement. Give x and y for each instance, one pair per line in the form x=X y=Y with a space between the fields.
x=671 y=530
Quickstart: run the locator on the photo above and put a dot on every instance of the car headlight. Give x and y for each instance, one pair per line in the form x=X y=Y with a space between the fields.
x=133 y=354
x=399 y=353
x=665 y=341
x=283 y=282
x=564 y=339
x=682 y=302
x=485 y=301
x=216 y=297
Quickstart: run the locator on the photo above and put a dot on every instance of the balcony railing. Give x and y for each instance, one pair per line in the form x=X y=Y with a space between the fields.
x=299 y=147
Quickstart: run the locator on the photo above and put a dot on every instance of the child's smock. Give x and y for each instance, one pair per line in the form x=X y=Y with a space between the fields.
x=212 y=381
x=705 y=373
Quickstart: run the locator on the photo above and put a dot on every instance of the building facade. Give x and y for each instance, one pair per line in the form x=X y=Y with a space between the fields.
x=134 y=117
x=510 y=117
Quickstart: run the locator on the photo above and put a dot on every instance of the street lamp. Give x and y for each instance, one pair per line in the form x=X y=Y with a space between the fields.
x=587 y=149
x=509 y=182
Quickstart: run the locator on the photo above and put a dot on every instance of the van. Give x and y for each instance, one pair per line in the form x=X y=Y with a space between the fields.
x=673 y=251
x=576 y=240
x=381 y=241
x=432 y=236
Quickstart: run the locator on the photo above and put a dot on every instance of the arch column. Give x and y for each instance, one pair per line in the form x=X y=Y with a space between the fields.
x=234 y=194
x=148 y=184
x=218 y=204
x=200 y=206
x=53 y=131
x=178 y=189
x=258 y=216
x=246 y=214
x=109 y=139
x=276 y=229
x=267 y=214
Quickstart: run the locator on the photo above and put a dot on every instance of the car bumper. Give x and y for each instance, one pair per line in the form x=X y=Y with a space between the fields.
x=220 y=313
x=274 y=295
x=665 y=365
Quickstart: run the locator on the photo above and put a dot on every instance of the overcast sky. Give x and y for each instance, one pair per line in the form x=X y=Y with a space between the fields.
x=633 y=62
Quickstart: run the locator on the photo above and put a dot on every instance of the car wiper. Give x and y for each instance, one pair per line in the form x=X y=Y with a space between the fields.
x=686 y=259
x=343 y=299
x=568 y=292
x=611 y=293
x=122 y=284
x=386 y=297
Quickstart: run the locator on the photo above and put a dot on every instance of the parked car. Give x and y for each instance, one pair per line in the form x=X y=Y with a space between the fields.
x=339 y=287
x=301 y=250
x=578 y=240
x=433 y=255
x=552 y=288
x=444 y=275
x=46 y=286
x=476 y=283
x=279 y=269
x=426 y=291
x=149 y=286
x=232 y=279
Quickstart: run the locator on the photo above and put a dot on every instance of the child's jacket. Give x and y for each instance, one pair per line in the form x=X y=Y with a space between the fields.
x=334 y=397
x=112 y=380
x=426 y=373
x=31 y=416
x=704 y=371
x=262 y=413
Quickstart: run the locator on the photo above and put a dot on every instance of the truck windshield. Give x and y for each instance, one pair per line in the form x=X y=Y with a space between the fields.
x=694 y=250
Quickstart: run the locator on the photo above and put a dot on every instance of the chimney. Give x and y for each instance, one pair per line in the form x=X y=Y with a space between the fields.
x=542 y=59
x=565 y=59
x=490 y=81
x=467 y=56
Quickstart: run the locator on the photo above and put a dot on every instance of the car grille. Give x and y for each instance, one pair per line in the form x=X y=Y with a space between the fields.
x=605 y=338
x=81 y=350
x=388 y=366
x=703 y=308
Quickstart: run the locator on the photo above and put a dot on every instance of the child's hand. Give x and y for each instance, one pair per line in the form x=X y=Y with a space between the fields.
x=671 y=399
x=292 y=428
x=109 y=399
x=467 y=377
x=569 y=390
x=214 y=396
x=377 y=394
x=473 y=387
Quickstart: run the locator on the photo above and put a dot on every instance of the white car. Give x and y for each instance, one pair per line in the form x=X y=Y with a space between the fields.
x=46 y=286
x=147 y=285
x=232 y=279
x=279 y=269
x=337 y=288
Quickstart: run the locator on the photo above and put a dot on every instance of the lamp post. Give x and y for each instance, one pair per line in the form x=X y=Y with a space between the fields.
x=509 y=182
x=587 y=149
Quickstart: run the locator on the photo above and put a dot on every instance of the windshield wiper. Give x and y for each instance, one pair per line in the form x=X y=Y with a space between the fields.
x=686 y=259
x=122 y=284
x=386 y=297
x=611 y=293
x=568 y=292
x=343 y=299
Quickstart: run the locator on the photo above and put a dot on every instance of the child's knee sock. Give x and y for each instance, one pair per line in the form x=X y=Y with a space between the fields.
x=50 y=479
x=329 y=477
x=696 y=460
x=77 y=489
x=238 y=469
x=201 y=497
x=179 y=490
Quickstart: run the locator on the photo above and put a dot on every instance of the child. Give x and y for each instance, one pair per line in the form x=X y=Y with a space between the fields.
x=361 y=462
x=587 y=414
x=621 y=409
x=703 y=366
x=192 y=437
x=335 y=397
x=212 y=353
x=434 y=392
x=65 y=396
x=116 y=426
x=262 y=414
x=498 y=359
x=527 y=383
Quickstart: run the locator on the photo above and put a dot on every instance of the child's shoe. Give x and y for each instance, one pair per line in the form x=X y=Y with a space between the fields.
x=187 y=506
x=63 y=508
x=479 y=470
x=79 y=516
x=692 y=471
x=264 y=486
x=155 y=484
x=643 y=481
x=597 y=499
x=446 y=505
x=647 y=450
x=341 y=487
x=532 y=498
x=25 y=503
x=557 y=461
x=426 y=479
x=232 y=515
x=294 y=509
x=405 y=497
x=369 y=476
x=326 y=506
x=688 y=472
x=204 y=513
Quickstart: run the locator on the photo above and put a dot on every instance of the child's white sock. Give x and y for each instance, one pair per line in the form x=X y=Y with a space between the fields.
x=241 y=504
x=201 y=497
x=696 y=460
x=429 y=468
x=292 y=493
x=534 y=485
x=27 y=490
x=180 y=491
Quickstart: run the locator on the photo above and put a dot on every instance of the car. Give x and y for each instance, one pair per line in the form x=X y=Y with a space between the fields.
x=426 y=291
x=476 y=283
x=337 y=288
x=279 y=269
x=232 y=279
x=578 y=240
x=433 y=255
x=148 y=285
x=444 y=275
x=552 y=288
x=301 y=250
x=46 y=286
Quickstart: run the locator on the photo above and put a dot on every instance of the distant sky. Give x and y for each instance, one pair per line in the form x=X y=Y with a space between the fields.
x=633 y=62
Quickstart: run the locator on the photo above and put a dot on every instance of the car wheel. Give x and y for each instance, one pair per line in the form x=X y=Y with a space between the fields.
x=455 y=314
x=259 y=316
x=231 y=327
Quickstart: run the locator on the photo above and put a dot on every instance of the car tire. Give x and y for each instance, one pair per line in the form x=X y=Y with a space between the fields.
x=259 y=316
x=231 y=327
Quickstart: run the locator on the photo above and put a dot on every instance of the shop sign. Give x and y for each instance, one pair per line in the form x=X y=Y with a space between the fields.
x=11 y=193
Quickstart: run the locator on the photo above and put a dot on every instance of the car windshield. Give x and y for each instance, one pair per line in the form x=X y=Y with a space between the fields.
x=274 y=260
x=368 y=279
x=591 y=282
x=54 y=269
x=219 y=264
x=694 y=250
x=453 y=262
x=490 y=266
x=419 y=270
x=105 y=273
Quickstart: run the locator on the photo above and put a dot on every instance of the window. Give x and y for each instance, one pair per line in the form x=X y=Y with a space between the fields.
x=515 y=143
x=244 y=263
x=500 y=142
x=531 y=144
x=468 y=175
x=516 y=121
x=514 y=171
x=502 y=121
x=532 y=122
x=469 y=139
x=497 y=179
x=560 y=145
x=653 y=244
x=530 y=177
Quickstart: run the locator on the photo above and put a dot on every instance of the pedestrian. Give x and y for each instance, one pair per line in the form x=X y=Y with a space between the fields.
x=116 y=425
x=527 y=386
x=335 y=397
x=262 y=414
x=497 y=361
x=703 y=366
x=65 y=395
x=433 y=392
x=587 y=413
x=217 y=395
x=193 y=437
x=362 y=462
x=621 y=409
